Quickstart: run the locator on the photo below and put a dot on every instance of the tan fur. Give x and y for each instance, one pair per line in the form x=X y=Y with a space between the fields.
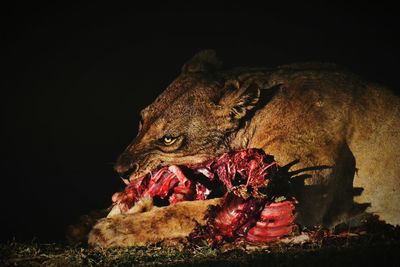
x=344 y=129
x=154 y=226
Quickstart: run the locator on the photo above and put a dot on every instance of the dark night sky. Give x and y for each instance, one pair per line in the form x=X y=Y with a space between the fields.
x=77 y=76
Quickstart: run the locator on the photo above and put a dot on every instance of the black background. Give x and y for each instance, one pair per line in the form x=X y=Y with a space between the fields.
x=76 y=77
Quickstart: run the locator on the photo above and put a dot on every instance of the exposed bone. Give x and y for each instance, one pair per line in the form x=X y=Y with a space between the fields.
x=248 y=209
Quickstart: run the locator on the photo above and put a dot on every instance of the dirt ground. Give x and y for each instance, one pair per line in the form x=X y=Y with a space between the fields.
x=377 y=244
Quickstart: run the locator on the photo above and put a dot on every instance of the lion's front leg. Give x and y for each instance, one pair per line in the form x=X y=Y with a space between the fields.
x=149 y=227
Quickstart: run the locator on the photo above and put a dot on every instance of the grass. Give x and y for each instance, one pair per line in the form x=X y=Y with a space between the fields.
x=380 y=245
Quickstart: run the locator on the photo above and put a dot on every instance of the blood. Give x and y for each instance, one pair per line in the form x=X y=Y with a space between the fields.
x=249 y=209
x=276 y=220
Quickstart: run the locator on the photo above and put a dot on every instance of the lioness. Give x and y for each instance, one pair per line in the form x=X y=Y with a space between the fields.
x=344 y=131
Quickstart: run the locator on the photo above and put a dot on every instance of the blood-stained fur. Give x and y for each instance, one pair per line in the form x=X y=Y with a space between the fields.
x=344 y=131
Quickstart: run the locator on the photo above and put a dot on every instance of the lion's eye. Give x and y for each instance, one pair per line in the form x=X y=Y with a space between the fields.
x=168 y=140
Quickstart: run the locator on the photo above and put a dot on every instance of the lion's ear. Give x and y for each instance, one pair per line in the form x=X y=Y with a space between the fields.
x=237 y=100
x=203 y=62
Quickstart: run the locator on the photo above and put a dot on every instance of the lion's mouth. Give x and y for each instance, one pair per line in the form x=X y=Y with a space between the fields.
x=250 y=182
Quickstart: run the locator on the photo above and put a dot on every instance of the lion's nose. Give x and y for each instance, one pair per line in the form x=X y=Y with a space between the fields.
x=126 y=171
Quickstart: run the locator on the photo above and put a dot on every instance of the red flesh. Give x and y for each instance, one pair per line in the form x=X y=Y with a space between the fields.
x=276 y=220
x=246 y=211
